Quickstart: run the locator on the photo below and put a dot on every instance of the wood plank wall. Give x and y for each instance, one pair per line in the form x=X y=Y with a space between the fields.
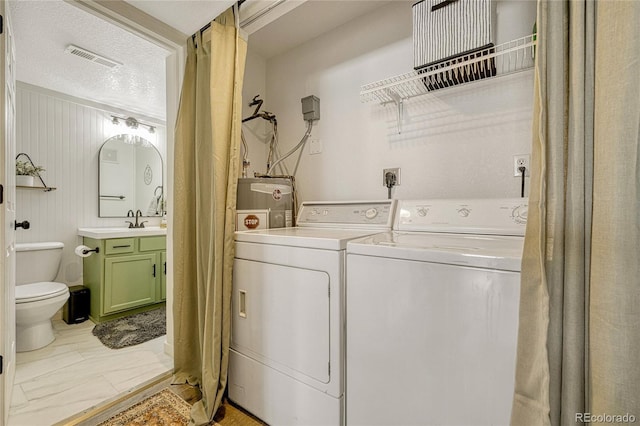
x=64 y=135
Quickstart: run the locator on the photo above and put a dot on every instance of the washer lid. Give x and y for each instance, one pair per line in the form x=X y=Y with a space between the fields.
x=482 y=251
x=39 y=291
x=319 y=238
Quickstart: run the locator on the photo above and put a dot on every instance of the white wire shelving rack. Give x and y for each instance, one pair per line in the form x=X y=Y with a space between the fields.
x=504 y=59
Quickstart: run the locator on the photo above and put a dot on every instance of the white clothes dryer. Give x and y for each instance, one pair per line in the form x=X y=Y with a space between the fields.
x=432 y=315
x=286 y=361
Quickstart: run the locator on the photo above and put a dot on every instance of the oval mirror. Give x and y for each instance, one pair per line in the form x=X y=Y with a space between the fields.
x=130 y=177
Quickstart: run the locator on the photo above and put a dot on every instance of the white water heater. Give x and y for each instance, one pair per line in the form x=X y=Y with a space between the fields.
x=264 y=203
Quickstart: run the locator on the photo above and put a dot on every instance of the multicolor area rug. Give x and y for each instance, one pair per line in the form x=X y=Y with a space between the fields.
x=132 y=330
x=165 y=408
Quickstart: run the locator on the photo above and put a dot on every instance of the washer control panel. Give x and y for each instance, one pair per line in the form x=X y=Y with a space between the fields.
x=347 y=214
x=504 y=216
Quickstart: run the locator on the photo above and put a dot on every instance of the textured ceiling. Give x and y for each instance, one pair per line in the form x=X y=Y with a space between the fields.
x=43 y=29
x=187 y=16
x=309 y=20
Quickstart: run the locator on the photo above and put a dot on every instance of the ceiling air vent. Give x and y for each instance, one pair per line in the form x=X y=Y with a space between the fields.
x=90 y=56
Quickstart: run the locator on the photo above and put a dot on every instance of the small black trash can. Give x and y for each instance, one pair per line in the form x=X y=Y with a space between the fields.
x=76 y=309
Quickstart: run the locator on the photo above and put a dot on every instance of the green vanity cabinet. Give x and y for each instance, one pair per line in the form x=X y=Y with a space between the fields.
x=129 y=282
x=126 y=276
x=163 y=285
x=158 y=245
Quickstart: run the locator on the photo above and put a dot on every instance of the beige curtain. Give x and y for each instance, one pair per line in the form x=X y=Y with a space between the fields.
x=578 y=339
x=206 y=172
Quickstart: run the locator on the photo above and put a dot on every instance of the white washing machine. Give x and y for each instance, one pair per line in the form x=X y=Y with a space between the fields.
x=286 y=362
x=432 y=315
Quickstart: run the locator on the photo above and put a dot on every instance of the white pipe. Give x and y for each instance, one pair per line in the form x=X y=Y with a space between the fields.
x=295 y=148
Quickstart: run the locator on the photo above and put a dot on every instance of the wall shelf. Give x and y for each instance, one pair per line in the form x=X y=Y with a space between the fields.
x=40 y=188
x=44 y=186
x=503 y=59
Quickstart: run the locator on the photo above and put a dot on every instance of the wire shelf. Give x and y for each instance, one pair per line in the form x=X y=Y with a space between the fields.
x=507 y=58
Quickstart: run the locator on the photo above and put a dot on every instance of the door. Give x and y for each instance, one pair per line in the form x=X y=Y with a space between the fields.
x=281 y=318
x=129 y=282
x=7 y=213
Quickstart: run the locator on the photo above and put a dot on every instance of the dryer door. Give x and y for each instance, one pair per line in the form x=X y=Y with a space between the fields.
x=281 y=317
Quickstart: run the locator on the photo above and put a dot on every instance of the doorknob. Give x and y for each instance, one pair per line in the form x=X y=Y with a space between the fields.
x=24 y=224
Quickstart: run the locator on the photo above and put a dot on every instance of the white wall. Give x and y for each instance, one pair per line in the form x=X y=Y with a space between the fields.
x=457 y=143
x=257 y=132
x=64 y=135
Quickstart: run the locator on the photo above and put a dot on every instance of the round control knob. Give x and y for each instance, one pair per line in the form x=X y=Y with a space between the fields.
x=464 y=212
x=422 y=212
x=371 y=213
x=519 y=214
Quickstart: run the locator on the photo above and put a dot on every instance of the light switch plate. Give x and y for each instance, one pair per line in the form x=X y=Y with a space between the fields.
x=315 y=146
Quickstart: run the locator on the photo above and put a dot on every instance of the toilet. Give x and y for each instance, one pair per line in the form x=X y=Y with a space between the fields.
x=38 y=298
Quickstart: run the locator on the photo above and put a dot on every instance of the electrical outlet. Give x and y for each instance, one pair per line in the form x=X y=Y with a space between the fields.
x=396 y=171
x=521 y=160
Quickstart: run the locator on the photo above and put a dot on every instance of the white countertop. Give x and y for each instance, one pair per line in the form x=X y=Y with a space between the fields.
x=114 y=232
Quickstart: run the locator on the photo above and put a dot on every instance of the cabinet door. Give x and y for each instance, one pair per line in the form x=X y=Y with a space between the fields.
x=130 y=281
x=163 y=275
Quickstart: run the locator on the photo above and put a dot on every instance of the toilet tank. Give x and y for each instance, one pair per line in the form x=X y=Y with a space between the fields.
x=37 y=262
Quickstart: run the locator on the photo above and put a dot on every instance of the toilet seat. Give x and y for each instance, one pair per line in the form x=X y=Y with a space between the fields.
x=39 y=291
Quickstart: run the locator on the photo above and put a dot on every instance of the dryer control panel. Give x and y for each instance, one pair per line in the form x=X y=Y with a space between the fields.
x=503 y=216
x=347 y=214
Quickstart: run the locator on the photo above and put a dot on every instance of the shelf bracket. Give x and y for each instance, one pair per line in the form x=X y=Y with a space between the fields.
x=399 y=105
x=44 y=185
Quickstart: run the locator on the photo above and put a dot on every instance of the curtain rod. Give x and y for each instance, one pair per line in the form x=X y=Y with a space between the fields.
x=209 y=23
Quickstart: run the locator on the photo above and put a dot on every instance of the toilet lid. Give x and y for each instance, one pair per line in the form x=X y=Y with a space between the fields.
x=39 y=291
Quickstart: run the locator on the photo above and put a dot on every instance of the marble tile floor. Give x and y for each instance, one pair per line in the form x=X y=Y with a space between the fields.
x=77 y=372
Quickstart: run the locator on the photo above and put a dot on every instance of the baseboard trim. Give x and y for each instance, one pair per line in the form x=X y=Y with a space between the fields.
x=168 y=348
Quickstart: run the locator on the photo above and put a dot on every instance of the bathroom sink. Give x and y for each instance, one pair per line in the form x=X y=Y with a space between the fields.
x=121 y=232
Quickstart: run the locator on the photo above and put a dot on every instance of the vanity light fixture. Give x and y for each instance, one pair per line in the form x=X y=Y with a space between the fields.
x=132 y=123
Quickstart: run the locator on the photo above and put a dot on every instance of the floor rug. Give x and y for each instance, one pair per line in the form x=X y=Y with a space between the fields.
x=162 y=409
x=132 y=330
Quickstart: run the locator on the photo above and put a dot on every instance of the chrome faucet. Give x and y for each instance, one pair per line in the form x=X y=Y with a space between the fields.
x=137 y=215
